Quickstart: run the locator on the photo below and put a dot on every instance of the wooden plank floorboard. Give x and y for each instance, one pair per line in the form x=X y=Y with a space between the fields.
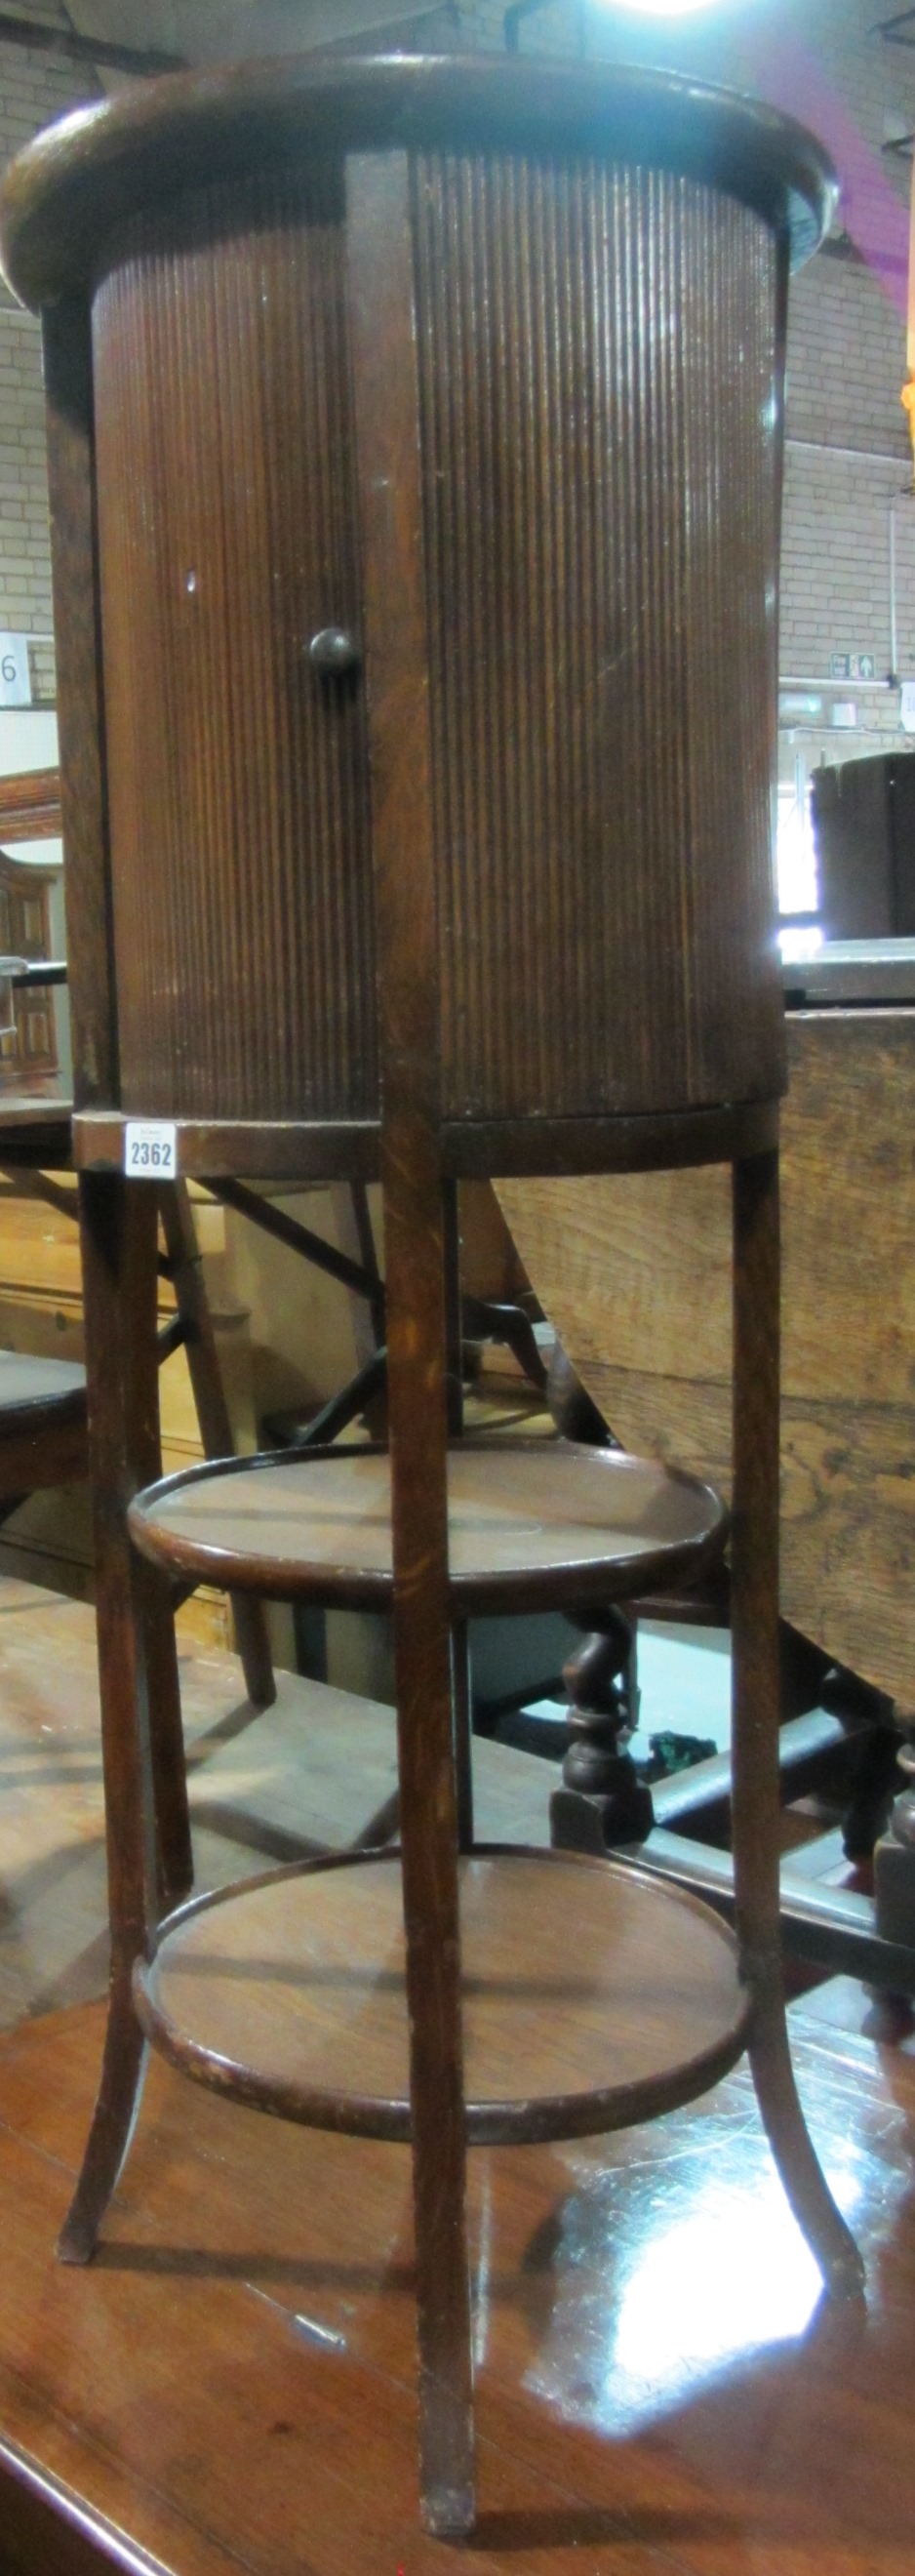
x=231 y=2383
x=315 y=1768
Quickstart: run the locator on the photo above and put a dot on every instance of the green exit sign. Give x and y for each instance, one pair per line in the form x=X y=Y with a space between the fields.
x=853 y=666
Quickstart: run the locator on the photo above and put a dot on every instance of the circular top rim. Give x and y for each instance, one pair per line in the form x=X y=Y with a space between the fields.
x=66 y=194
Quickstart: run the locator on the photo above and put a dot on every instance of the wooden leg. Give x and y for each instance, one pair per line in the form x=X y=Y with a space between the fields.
x=383 y=323
x=416 y=1395
x=118 y=1225
x=155 y=1613
x=454 y=1404
x=113 y=2120
x=894 y=1857
x=755 y=1651
x=462 y=1698
x=213 y=1415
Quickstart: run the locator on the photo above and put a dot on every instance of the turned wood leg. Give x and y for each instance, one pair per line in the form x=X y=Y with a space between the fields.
x=755 y=1653
x=894 y=1856
x=134 y=1625
x=602 y=1715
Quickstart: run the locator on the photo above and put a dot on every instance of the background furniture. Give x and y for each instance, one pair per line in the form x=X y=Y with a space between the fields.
x=28 y=1052
x=505 y=348
x=43 y=1438
x=631 y=1274
x=863 y=814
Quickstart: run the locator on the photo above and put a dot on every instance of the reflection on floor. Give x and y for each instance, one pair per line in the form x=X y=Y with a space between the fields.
x=660 y=2391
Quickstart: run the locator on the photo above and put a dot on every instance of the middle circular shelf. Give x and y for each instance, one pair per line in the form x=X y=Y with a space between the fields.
x=531 y=1522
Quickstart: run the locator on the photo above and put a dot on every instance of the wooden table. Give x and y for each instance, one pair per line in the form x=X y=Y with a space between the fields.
x=633 y=1272
x=35 y=1132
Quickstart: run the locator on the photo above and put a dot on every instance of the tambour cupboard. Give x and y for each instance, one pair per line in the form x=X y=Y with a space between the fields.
x=415 y=435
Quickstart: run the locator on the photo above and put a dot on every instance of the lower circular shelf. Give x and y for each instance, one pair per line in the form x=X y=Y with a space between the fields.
x=593 y=1996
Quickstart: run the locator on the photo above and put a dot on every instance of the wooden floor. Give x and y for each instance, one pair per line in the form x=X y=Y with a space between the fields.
x=232 y=2383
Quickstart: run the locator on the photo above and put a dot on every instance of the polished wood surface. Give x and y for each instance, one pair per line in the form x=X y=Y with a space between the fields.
x=389 y=432
x=534 y=1521
x=558 y=634
x=634 y=1275
x=590 y=1996
x=233 y=2384
x=30 y=806
x=198 y=759
x=280 y=297
x=656 y=2382
x=471 y=1148
x=63 y=195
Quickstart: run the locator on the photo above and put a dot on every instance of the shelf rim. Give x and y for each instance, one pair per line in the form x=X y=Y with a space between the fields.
x=476 y=1593
x=536 y=2120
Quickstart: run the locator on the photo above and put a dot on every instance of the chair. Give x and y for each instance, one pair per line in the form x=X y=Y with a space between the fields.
x=43 y=1443
x=411 y=846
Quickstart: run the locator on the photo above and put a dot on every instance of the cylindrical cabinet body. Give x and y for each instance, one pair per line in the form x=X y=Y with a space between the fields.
x=598 y=267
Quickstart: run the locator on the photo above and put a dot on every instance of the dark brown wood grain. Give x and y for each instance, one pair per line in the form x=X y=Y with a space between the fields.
x=755 y=1719
x=69 y=194
x=227 y=527
x=600 y=522
x=261 y=1150
x=30 y=806
x=83 y=790
x=141 y=1712
x=601 y=539
x=472 y=1148
x=438 y=419
x=534 y=1523
x=635 y=1276
x=387 y=422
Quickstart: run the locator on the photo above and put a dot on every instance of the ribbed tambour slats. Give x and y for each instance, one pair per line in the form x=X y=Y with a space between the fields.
x=228 y=532
x=598 y=359
x=599 y=453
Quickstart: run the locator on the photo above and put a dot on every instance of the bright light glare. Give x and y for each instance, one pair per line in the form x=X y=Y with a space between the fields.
x=661 y=8
x=728 y=2278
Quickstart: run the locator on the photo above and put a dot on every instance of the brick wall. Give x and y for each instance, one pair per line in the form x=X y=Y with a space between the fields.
x=846 y=354
x=34 y=89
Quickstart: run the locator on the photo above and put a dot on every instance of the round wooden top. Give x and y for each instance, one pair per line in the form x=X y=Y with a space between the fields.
x=593 y=1997
x=68 y=194
x=530 y=1522
x=29 y=1385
